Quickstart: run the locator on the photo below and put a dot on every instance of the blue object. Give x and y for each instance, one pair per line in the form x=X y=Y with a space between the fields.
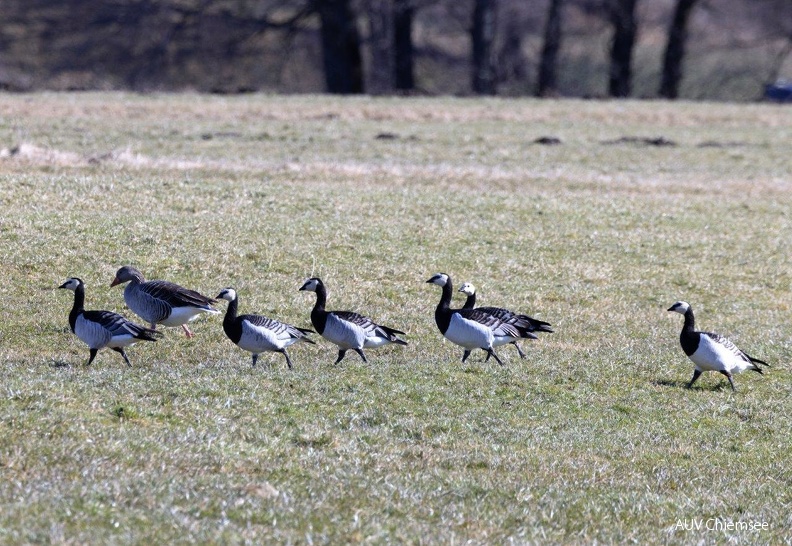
x=780 y=91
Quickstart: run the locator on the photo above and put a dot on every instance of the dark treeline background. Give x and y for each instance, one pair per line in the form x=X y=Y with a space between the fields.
x=694 y=49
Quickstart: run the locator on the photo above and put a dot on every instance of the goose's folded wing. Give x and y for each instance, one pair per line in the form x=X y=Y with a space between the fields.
x=175 y=295
x=280 y=329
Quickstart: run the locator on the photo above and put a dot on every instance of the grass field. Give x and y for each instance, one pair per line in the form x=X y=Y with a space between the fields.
x=593 y=437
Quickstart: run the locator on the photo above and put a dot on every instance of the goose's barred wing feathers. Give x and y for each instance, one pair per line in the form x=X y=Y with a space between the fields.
x=480 y=316
x=731 y=347
x=117 y=325
x=278 y=327
x=368 y=325
x=175 y=295
x=521 y=321
x=498 y=326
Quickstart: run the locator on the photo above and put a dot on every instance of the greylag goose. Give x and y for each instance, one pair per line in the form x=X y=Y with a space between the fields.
x=162 y=302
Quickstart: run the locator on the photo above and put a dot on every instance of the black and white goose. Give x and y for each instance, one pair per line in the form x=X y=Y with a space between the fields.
x=523 y=322
x=710 y=351
x=471 y=328
x=162 y=302
x=346 y=329
x=100 y=329
x=257 y=334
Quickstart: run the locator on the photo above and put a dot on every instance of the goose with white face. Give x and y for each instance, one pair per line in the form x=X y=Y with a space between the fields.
x=257 y=334
x=710 y=351
x=680 y=307
x=468 y=289
x=440 y=279
x=347 y=329
x=467 y=328
x=513 y=326
x=102 y=329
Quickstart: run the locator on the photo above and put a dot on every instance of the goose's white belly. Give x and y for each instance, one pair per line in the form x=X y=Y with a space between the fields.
x=344 y=334
x=182 y=315
x=497 y=341
x=468 y=333
x=122 y=341
x=256 y=339
x=92 y=334
x=712 y=356
x=376 y=341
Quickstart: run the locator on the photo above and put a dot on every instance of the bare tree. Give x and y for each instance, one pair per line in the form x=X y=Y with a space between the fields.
x=380 y=18
x=777 y=20
x=341 y=56
x=404 y=54
x=548 y=65
x=482 y=35
x=625 y=30
x=675 y=49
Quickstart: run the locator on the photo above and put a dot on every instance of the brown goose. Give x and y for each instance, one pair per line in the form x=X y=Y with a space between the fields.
x=162 y=302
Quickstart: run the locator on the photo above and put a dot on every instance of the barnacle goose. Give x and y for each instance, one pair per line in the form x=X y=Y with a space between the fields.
x=710 y=351
x=524 y=322
x=257 y=334
x=162 y=302
x=100 y=329
x=471 y=328
x=346 y=329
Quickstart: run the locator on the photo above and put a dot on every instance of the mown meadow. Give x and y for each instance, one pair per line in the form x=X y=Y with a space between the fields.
x=592 y=438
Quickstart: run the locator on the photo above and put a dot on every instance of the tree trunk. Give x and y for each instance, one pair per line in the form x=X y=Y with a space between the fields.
x=547 y=85
x=343 y=66
x=482 y=38
x=510 y=61
x=675 y=49
x=380 y=16
x=403 y=12
x=625 y=29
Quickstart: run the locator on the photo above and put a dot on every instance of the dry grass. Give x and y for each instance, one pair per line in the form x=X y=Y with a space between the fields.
x=593 y=438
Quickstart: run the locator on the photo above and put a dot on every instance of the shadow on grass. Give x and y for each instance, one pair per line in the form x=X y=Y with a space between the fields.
x=59 y=364
x=684 y=385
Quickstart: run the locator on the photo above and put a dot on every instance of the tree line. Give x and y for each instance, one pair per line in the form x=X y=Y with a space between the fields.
x=358 y=46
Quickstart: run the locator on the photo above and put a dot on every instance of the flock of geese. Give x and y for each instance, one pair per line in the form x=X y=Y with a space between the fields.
x=470 y=327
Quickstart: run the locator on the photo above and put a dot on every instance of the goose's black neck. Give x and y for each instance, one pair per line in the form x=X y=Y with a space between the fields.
x=470 y=302
x=231 y=326
x=231 y=311
x=690 y=321
x=689 y=338
x=79 y=305
x=445 y=298
x=318 y=314
x=443 y=311
x=321 y=297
